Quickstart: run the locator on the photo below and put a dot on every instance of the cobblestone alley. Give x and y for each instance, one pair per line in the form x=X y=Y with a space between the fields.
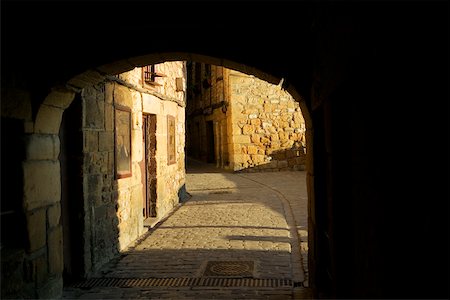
x=240 y=235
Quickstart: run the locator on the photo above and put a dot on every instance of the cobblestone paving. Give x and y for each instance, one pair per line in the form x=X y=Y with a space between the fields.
x=291 y=186
x=230 y=217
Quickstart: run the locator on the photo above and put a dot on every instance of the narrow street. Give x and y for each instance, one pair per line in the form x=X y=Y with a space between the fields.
x=240 y=235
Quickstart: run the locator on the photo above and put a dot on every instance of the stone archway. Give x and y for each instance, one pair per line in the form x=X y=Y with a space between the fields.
x=42 y=181
x=42 y=191
x=387 y=66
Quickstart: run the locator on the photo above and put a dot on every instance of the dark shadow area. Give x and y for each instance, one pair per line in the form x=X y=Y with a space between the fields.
x=13 y=222
x=191 y=263
x=374 y=76
x=183 y=194
x=195 y=166
x=72 y=201
x=12 y=155
x=89 y=189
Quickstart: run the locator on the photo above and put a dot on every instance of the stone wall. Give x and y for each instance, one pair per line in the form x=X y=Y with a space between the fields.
x=166 y=86
x=257 y=125
x=113 y=207
x=207 y=103
x=31 y=258
x=99 y=186
x=267 y=124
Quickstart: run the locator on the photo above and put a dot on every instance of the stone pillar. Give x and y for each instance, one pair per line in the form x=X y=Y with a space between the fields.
x=42 y=196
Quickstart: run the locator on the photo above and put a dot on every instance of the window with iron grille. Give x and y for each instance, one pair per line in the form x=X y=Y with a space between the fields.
x=149 y=75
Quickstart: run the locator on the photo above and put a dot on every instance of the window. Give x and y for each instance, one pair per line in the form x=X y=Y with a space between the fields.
x=179 y=84
x=122 y=142
x=149 y=75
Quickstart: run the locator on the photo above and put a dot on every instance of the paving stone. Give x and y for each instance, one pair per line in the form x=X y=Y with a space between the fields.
x=253 y=221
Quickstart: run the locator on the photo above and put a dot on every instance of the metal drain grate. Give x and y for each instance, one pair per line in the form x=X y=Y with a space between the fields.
x=229 y=268
x=179 y=282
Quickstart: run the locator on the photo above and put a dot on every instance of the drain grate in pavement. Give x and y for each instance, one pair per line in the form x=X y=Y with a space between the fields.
x=229 y=268
x=179 y=282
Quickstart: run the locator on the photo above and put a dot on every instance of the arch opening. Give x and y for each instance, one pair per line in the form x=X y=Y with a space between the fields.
x=358 y=86
x=97 y=147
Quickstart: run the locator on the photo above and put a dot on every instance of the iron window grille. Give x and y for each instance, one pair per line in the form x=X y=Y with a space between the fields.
x=149 y=75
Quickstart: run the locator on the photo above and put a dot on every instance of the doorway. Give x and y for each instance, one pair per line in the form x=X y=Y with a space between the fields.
x=72 y=211
x=148 y=165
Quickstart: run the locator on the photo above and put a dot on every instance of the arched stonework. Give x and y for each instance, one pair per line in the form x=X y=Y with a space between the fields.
x=42 y=192
x=373 y=77
x=42 y=185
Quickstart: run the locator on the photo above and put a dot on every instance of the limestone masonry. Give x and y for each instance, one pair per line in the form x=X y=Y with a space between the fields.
x=241 y=122
x=115 y=205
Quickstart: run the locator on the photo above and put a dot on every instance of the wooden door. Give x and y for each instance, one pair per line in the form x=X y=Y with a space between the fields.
x=149 y=165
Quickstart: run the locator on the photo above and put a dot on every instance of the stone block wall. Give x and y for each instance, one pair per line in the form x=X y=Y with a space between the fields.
x=166 y=85
x=113 y=207
x=257 y=125
x=208 y=103
x=100 y=190
x=33 y=262
x=268 y=129
x=31 y=245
